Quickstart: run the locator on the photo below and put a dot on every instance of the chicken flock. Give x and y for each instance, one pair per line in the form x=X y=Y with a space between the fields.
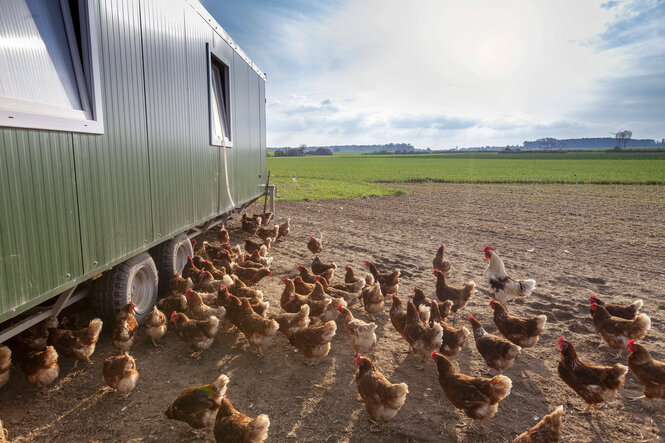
x=215 y=294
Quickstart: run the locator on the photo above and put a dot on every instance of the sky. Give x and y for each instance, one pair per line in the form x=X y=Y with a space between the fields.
x=443 y=73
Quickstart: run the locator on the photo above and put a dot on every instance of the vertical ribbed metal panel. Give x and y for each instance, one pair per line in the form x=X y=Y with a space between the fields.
x=262 y=126
x=112 y=170
x=255 y=173
x=166 y=85
x=72 y=204
x=204 y=163
x=40 y=246
x=243 y=173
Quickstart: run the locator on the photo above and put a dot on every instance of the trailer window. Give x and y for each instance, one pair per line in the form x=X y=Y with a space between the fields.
x=49 y=78
x=220 y=118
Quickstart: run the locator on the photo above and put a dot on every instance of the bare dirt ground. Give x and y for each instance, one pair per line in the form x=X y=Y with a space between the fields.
x=538 y=232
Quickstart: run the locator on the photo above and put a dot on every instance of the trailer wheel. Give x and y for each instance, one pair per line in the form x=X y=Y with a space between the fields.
x=171 y=257
x=133 y=280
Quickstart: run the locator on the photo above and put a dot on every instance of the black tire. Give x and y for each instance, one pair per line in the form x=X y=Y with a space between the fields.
x=171 y=257
x=133 y=280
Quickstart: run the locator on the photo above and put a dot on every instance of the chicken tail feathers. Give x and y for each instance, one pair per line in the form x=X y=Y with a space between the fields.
x=220 y=384
x=95 y=325
x=462 y=335
x=618 y=372
x=555 y=415
x=637 y=305
x=400 y=389
x=329 y=330
x=273 y=327
x=643 y=322
x=257 y=429
x=227 y=280
x=501 y=386
x=541 y=321
x=424 y=312
x=213 y=325
x=525 y=287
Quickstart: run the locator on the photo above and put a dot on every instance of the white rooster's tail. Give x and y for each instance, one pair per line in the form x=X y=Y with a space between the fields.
x=525 y=287
x=637 y=304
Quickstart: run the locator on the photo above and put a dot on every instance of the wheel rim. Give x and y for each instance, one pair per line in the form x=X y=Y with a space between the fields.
x=181 y=254
x=142 y=289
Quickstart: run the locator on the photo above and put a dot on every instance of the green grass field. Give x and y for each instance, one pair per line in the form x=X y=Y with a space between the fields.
x=353 y=175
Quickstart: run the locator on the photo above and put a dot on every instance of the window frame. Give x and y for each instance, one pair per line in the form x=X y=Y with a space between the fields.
x=16 y=113
x=216 y=58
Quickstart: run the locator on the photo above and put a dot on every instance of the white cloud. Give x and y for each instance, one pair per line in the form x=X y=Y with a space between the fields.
x=440 y=73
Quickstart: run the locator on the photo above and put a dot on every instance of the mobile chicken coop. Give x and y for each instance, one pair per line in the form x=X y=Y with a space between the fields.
x=126 y=128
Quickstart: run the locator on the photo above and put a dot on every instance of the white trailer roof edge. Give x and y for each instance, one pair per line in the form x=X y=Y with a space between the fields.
x=203 y=12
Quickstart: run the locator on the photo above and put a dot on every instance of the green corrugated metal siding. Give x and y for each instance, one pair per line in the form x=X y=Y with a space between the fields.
x=241 y=123
x=204 y=164
x=112 y=170
x=255 y=173
x=40 y=247
x=72 y=205
x=262 y=125
x=166 y=83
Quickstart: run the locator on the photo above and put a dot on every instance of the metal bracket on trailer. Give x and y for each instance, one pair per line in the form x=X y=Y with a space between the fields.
x=64 y=299
x=271 y=194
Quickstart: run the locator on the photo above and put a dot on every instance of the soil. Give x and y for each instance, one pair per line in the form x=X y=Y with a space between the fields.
x=536 y=229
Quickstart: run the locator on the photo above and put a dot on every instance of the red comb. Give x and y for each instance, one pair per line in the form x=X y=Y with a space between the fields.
x=193 y=241
x=285 y=279
x=299 y=267
x=228 y=297
x=433 y=354
x=339 y=308
x=346 y=267
x=434 y=271
x=366 y=262
x=357 y=357
x=561 y=339
x=593 y=297
x=188 y=291
x=632 y=342
x=189 y=257
x=270 y=273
